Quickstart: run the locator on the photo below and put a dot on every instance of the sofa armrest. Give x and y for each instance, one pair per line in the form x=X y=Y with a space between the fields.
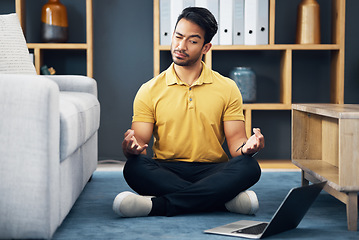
x=29 y=155
x=75 y=83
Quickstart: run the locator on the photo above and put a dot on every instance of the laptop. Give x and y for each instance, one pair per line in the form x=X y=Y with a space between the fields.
x=288 y=216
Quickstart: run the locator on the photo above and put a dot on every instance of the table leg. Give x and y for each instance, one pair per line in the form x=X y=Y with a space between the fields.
x=352 y=211
x=305 y=182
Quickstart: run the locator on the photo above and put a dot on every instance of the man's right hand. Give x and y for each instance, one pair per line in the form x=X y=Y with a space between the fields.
x=130 y=146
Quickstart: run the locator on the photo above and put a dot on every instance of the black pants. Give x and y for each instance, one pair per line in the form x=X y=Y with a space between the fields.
x=182 y=187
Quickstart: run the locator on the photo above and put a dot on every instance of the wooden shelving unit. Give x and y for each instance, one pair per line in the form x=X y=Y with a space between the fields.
x=286 y=63
x=325 y=146
x=39 y=48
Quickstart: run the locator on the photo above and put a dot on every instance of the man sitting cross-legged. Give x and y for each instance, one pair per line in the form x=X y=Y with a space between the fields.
x=189 y=110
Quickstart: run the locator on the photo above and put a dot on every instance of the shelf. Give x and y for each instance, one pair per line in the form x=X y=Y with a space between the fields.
x=57 y=46
x=321 y=169
x=277 y=164
x=339 y=111
x=324 y=171
x=267 y=47
x=39 y=49
x=266 y=106
x=325 y=142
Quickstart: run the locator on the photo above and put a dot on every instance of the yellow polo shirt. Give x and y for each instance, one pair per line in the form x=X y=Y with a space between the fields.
x=188 y=120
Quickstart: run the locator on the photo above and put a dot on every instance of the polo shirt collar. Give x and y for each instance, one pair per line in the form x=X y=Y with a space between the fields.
x=172 y=78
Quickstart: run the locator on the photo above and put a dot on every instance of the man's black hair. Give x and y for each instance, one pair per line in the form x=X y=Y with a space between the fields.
x=203 y=18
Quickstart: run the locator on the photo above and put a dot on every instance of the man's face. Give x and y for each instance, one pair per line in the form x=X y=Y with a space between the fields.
x=187 y=43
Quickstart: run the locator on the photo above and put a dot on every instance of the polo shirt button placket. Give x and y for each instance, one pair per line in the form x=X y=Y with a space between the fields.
x=190 y=98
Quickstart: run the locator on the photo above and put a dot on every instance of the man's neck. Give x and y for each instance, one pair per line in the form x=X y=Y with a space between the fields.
x=189 y=74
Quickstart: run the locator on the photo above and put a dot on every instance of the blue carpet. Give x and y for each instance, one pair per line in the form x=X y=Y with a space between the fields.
x=92 y=216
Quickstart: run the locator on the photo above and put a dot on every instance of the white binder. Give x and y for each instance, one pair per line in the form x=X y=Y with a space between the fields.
x=250 y=19
x=225 y=22
x=238 y=22
x=202 y=3
x=188 y=3
x=213 y=7
x=262 y=24
x=165 y=22
x=256 y=22
x=176 y=9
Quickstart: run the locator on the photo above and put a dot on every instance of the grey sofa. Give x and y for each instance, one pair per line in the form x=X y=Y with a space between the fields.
x=48 y=147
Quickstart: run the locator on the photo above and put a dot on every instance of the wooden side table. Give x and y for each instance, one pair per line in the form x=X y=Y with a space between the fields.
x=325 y=145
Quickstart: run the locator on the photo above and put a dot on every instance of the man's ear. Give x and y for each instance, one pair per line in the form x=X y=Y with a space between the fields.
x=206 y=48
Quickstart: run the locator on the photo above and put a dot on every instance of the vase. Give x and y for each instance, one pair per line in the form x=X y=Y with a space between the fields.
x=308 y=22
x=54 y=24
x=245 y=79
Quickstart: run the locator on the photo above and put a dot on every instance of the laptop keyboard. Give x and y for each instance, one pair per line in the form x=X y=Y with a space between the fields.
x=256 y=229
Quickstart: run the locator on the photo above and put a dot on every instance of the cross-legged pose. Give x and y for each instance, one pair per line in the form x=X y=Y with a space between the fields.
x=190 y=111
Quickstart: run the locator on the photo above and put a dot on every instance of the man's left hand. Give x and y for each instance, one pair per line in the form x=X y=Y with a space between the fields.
x=255 y=143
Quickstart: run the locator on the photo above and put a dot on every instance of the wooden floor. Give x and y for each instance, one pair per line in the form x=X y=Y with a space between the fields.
x=275 y=165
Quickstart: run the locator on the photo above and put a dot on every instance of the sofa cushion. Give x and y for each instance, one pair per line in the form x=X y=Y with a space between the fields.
x=14 y=53
x=79 y=120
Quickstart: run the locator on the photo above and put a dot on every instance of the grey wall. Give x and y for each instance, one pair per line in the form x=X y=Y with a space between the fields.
x=123 y=60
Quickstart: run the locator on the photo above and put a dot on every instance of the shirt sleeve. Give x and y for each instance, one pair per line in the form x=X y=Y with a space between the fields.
x=234 y=109
x=142 y=106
